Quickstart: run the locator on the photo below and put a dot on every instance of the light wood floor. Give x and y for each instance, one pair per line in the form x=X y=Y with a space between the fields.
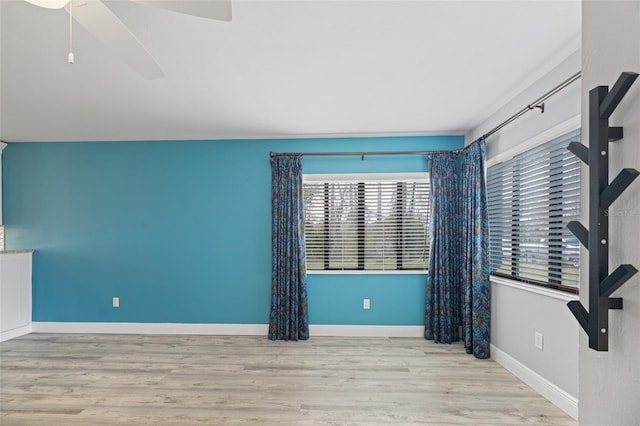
x=56 y=379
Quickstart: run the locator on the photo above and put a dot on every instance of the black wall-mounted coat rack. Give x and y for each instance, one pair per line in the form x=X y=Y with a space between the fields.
x=602 y=194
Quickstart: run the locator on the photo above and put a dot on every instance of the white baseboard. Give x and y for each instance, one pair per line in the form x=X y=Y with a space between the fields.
x=150 y=328
x=322 y=330
x=560 y=398
x=15 y=332
x=223 y=329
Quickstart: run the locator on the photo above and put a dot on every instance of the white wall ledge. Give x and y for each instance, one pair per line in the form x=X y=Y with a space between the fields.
x=366 y=272
x=532 y=288
x=15 y=251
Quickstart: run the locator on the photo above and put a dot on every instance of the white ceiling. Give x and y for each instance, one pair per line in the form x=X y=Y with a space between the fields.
x=280 y=69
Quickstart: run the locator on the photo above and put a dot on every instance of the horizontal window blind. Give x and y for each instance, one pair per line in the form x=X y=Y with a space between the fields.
x=361 y=222
x=531 y=199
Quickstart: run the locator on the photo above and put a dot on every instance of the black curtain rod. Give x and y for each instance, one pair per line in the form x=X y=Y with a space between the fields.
x=538 y=103
x=341 y=153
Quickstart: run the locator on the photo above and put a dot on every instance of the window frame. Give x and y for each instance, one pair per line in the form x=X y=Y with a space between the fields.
x=361 y=179
x=566 y=128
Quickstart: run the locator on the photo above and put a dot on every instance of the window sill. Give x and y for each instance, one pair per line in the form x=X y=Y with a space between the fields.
x=370 y=272
x=531 y=288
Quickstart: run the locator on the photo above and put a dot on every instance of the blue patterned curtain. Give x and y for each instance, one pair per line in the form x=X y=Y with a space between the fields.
x=458 y=288
x=289 y=319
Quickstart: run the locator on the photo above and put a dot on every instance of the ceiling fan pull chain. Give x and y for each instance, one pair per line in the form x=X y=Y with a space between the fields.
x=71 y=32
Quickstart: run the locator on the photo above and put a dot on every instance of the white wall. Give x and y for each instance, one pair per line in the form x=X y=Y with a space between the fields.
x=15 y=294
x=518 y=311
x=610 y=381
x=2 y=146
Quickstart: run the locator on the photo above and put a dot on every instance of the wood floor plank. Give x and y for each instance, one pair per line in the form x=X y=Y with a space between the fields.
x=76 y=379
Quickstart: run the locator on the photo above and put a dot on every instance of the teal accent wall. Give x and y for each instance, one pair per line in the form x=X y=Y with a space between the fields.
x=181 y=230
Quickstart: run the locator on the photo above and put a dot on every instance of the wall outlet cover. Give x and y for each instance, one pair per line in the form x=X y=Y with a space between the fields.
x=539 y=340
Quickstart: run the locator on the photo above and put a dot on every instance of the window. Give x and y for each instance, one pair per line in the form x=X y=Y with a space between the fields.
x=367 y=222
x=532 y=197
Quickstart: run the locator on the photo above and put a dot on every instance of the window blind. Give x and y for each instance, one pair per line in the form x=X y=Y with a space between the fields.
x=367 y=222
x=531 y=199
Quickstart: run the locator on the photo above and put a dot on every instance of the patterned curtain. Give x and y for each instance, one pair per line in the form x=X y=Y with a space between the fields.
x=458 y=288
x=289 y=319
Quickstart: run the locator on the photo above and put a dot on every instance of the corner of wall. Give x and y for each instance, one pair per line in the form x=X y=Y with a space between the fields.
x=516 y=312
x=560 y=107
x=609 y=380
x=2 y=147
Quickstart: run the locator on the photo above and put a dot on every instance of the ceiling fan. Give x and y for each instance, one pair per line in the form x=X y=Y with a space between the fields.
x=105 y=26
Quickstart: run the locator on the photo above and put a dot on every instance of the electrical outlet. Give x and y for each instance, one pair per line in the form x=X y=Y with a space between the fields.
x=539 y=340
x=366 y=303
x=116 y=302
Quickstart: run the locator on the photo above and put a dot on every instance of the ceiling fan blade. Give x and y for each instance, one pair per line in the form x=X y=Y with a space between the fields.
x=49 y=4
x=220 y=10
x=104 y=25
